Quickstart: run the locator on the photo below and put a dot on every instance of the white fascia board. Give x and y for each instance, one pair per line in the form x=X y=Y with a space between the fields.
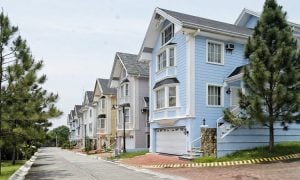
x=234 y=78
x=245 y=11
x=215 y=31
x=151 y=28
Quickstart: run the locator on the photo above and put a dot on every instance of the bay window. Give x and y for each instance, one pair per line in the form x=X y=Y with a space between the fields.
x=166 y=97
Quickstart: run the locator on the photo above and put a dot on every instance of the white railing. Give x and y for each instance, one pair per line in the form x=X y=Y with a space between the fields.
x=224 y=128
x=195 y=140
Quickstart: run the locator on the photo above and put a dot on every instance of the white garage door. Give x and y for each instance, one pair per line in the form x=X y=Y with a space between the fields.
x=171 y=140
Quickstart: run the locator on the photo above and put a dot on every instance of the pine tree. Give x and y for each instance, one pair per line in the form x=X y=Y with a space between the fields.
x=25 y=106
x=7 y=34
x=272 y=77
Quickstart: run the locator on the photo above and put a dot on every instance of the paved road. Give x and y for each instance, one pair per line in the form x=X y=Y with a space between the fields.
x=53 y=163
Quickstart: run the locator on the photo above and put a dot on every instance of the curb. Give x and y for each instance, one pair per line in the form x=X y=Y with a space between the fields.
x=23 y=170
x=222 y=164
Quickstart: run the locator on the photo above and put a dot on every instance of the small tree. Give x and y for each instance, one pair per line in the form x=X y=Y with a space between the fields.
x=272 y=77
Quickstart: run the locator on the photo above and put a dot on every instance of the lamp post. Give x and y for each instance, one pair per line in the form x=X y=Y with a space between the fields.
x=124 y=123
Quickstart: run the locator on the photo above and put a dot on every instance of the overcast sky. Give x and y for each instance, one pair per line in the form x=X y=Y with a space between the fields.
x=78 y=39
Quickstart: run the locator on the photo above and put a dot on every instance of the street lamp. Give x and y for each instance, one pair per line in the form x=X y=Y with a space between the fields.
x=123 y=108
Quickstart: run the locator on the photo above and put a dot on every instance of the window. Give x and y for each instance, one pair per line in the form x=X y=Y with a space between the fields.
x=167 y=34
x=172 y=96
x=90 y=128
x=121 y=120
x=126 y=113
x=98 y=124
x=171 y=57
x=160 y=98
x=126 y=89
x=91 y=113
x=166 y=58
x=102 y=123
x=103 y=103
x=214 y=95
x=162 y=60
x=215 y=52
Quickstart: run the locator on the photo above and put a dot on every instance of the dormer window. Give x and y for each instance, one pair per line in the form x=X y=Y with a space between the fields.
x=167 y=34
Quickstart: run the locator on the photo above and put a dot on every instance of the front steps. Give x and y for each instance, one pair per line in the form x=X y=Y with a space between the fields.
x=194 y=153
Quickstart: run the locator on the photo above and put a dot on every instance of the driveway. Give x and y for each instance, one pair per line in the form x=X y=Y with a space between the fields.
x=280 y=170
x=54 y=163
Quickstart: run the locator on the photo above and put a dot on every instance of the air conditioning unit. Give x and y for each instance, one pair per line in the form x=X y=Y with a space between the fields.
x=229 y=46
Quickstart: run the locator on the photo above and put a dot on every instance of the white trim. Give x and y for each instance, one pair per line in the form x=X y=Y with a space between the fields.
x=234 y=78
x=162 y=31
x=222 y=51
x=166 y=88
x=167 y=50
x=222 y=94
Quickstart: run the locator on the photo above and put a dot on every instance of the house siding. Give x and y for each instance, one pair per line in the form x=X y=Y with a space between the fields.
x=245 y=138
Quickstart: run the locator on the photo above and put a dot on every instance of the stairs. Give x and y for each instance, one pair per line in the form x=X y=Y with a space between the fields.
x=194 y=153
x=225 y=128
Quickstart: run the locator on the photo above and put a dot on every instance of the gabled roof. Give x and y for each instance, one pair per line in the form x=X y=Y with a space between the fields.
x=105 y=89
x=89 y=95
x=236 y=71
x=73 y=113
x=246 y=14
x=199 y=22
x=132 y=65
x=77 y=109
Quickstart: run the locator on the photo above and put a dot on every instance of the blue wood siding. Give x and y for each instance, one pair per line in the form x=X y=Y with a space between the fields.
x=245 y=138
x=213 y=74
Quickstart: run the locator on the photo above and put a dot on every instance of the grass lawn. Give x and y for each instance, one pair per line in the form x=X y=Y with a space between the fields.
x=130 y=154
x=280 y=149
x=8 y=169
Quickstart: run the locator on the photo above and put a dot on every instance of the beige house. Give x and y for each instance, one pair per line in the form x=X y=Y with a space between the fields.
x=103 y=101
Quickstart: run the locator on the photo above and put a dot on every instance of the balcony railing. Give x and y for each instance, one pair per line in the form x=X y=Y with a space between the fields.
x=128 y=125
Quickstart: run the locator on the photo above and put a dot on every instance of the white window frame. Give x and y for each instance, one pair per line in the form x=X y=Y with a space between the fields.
x=162 y=34
x=167 y=50
x=222 y=94
x=103 y=103
x=104 y=123
x=127 y=108
x=222 y=52
x=166 y=96
x=165 y=101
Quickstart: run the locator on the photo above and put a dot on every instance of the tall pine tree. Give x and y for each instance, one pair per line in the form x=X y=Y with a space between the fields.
x=272 y=77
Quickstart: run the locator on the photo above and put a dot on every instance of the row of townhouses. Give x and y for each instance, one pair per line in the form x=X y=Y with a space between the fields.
x=172 y=94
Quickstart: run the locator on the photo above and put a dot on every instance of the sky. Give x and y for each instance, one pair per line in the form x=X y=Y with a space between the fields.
x=77 y=39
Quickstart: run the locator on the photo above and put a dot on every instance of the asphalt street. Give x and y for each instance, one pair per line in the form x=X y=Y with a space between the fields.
x=54 y=164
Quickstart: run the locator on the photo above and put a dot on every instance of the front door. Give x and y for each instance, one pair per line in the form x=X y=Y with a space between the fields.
x=234 y=101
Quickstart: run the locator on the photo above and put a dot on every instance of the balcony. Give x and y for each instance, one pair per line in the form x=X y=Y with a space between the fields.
x=124 y=100
x=128 y=126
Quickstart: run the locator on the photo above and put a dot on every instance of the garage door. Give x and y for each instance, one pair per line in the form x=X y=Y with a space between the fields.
x=171 y=140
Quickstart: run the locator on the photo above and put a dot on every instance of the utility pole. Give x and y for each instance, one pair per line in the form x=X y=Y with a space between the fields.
x=56 y=140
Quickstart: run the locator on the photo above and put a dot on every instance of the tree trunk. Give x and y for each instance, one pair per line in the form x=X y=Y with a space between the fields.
x=271 y=135
x=13 y=162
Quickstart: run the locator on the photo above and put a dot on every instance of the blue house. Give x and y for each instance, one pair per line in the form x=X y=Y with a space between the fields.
x=195 y=73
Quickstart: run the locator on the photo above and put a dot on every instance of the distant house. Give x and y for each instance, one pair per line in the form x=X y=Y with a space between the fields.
x=79 y=125
x=104 y=98
x=130 y=78
x=89 y=120
x=195 y=73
